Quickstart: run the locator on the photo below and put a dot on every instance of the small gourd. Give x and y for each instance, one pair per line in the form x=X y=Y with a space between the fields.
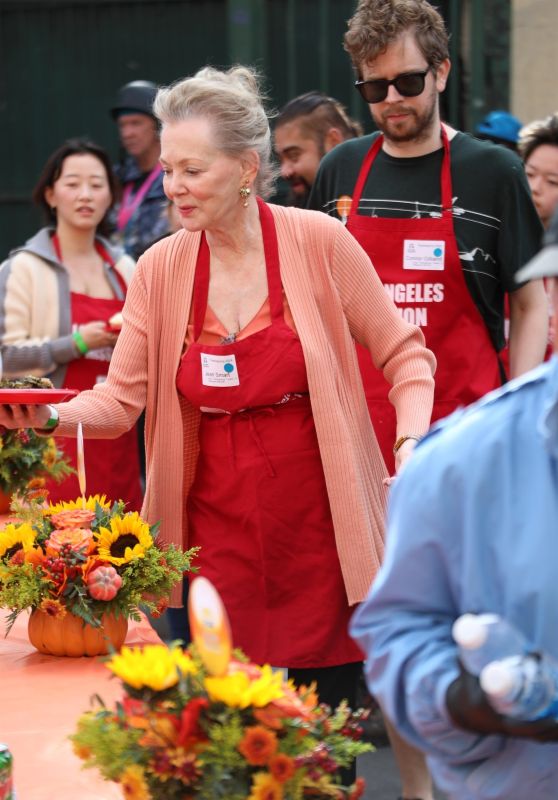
x=103 y=583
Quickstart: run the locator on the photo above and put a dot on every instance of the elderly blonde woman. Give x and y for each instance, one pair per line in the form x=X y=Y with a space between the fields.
x=238 y=338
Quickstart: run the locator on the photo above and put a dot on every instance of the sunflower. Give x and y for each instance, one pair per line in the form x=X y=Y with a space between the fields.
x=133 y=783
x=237 y=689
x=156 y=667
x=14 y=538
x=127 y=539
x=90 y=503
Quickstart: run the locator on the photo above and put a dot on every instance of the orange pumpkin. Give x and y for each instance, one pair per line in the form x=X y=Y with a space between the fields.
x=71 y=636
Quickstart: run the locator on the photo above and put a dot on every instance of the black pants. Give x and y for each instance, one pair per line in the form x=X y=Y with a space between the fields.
x=333 y=685
x=179 y=626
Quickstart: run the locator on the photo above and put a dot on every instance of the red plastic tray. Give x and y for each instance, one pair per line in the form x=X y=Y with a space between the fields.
x=35 y=396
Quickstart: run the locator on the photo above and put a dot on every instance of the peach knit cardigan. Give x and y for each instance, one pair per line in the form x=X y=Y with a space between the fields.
x=334 y=295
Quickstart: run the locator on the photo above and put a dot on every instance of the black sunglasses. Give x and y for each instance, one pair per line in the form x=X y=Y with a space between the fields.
x=408 y=84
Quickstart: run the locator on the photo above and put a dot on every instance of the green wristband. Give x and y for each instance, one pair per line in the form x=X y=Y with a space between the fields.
x=53 y=420
x=80 y=343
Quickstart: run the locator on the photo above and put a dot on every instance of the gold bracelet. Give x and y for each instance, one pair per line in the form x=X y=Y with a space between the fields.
x=403 y=439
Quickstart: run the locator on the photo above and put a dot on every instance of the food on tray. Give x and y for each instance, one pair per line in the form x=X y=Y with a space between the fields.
x=27 y=382
x=116 y=321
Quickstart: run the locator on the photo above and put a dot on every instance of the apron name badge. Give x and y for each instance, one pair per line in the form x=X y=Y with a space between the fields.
x=219 y=370
x=423 y=254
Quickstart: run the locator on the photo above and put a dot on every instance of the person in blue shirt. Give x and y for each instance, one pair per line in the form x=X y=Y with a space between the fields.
x=473 y=527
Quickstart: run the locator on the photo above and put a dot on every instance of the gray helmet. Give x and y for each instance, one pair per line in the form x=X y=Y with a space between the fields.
x=135 y=98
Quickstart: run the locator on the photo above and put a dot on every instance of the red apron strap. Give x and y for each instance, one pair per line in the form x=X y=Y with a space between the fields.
x=363 y=174
x=201 y=286
x=446 y=185
x=56 y=245
x=108 y=259
x=271 y=251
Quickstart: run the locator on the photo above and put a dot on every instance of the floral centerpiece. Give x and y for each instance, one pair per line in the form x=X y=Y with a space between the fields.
x=81 y=564
x=180 y=732
x=28 y=458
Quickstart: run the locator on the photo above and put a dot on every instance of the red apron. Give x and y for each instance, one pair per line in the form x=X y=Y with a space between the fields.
x=258 y=507
x=418 y=263
x=111 y=465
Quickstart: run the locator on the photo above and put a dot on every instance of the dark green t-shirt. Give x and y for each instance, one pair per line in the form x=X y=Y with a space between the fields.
x=496 y=225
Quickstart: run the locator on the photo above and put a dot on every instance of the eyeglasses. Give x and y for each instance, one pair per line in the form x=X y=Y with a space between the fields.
x=408 y=84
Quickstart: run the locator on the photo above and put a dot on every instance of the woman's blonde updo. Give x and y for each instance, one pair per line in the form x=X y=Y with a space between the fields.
x=232 y=101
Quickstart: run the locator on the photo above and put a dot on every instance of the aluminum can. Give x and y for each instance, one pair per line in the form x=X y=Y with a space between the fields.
x=6 y=774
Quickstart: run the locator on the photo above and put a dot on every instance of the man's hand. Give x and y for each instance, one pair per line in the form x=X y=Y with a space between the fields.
x=469 y=708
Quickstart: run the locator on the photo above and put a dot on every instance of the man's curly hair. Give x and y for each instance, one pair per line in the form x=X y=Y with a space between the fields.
x=377 y=23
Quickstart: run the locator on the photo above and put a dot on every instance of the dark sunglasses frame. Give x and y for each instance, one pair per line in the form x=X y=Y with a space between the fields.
x=375 y=91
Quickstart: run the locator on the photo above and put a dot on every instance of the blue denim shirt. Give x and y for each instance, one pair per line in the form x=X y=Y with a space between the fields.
x=472 y=526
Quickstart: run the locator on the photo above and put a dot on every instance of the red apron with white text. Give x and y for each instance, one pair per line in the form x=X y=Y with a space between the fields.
x=111 y=465
x=258 y=507
x=418 y=263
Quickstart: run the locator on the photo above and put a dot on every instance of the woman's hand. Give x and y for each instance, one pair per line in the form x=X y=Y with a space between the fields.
x=95 y=335
x=23 y=416
x=403 y=454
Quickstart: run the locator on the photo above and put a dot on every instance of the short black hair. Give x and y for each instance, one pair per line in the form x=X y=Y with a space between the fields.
x=533 y=135
x=323 y=112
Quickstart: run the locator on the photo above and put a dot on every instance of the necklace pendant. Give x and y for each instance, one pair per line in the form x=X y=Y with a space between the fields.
x=230 y=338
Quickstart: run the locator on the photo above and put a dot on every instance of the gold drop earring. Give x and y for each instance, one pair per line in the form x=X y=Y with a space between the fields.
x=245 y=193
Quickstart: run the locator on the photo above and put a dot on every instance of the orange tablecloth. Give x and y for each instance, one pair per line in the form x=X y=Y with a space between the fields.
x=41 y=698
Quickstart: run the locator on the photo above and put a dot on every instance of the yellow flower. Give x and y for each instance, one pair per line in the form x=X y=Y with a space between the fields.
x=16 y=537
x=52 y=607
x=90 y=503
x=127 y=539
x=265 y=787
x=161 y=732
x=238 y=690
x=154 y=667
x=133 y=783
x=50 y=453
x=82 y=751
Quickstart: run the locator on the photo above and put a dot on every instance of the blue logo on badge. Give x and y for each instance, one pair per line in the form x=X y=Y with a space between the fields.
x=229 y=367
x=438 y=252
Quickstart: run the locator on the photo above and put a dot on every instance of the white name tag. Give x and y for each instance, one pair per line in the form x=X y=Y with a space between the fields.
x=219 y=370
x=423 y=254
